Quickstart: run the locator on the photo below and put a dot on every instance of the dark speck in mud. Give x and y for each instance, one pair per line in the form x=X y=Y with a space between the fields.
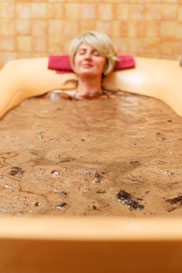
x=169 y=210
x=97 y=178
x=94 y=207
x=62 y=205
x=127 y=200
x=67 y=159
x=37 y=204
x=63 y=192
x=58 y=109
x=162 y=137
x=169 y=120
x=16 y=171
x=101 y=191
x=175 y=200
x=82 y=139
x=134 y=162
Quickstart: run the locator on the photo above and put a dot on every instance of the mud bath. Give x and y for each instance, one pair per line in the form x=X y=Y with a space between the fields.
x=119 y=157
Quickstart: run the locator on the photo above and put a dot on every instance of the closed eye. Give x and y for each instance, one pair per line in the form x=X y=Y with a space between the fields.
x=96 y=53
x=82 y=51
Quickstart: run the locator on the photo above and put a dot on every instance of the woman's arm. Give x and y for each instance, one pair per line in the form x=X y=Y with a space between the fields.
x=21 y=79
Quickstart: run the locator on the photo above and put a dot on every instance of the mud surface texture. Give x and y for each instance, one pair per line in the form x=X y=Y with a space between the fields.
x=115 y=157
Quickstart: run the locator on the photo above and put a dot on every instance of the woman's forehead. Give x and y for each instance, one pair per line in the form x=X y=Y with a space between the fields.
x=84 y=45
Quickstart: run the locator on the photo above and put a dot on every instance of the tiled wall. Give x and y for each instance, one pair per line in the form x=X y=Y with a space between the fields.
x=149 y=28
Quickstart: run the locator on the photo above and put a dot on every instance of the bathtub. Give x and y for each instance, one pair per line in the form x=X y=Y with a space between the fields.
x=91 y=244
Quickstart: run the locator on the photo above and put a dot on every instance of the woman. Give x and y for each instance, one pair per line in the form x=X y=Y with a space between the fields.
x=92 y=57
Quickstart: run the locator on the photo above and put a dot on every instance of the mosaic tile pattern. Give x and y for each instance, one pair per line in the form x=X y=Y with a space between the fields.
x=147 y=28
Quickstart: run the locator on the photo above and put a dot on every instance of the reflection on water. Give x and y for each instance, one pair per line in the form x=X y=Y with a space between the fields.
x=75 y=157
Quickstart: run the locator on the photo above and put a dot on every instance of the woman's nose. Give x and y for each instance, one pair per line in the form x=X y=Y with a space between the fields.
x=88 y=55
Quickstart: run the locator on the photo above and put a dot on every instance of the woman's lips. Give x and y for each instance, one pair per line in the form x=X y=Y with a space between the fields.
x=87 y=65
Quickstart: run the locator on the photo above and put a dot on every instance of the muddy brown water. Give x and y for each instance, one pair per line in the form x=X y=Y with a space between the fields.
x=112 y=157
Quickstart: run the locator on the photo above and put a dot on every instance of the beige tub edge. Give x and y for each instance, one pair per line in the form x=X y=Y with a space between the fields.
x=91 y=228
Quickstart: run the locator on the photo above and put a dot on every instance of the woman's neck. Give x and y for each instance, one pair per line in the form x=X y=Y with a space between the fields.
x=89 y=87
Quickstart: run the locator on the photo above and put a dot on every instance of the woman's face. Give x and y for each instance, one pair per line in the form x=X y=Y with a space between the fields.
x=88 y=61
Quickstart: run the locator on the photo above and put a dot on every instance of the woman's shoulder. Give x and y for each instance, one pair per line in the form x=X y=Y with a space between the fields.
x=58 y=94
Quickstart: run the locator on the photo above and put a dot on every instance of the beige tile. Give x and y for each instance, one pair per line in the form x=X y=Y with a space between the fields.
x=24 y=43
x=168 y=29
x=152 y=29
x=39 y=28
x=136 y=12
x=132 y=31
x=141 y=28
x=1 y=63
x=169 y=12
x=24 y=55
x=40 y=44
x=71 y=28
x=60 y=1
x=179 y=15
x=88 y=11
x=170 y=1
x=153 y=12
x=121 y=45
x=155 y=55
x=55 y=27
x=96 y=1
x=179 y=31
x=55 y=11
x=137 y=1
x=105 y=27
x=121 y=12
x=136 y=28
x=7 y=27
x=72 y=11
x=167 y=48
x=66 y=44
x=135 y=45
x=87 y=25
x=8 y=43
x=8 y=56
x=119 y=28
x=178 y=47
x=23 y=10
x=40 y=54
x=7 y=10
x=39 y=10
x=23 y=26
x=105 y=12
x=155 y=1
x=151 y=46
x=55 y=44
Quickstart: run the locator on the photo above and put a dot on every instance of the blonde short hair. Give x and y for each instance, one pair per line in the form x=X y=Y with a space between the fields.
x=101 y=43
